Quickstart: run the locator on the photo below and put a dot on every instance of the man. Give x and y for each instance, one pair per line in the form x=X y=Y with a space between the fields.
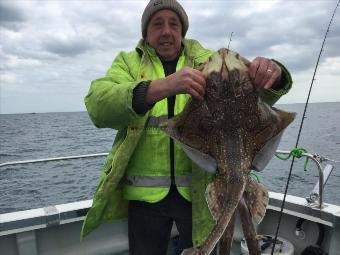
x=145 y=166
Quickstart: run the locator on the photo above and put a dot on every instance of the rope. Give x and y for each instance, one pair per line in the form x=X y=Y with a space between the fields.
x=252 y=173
x=301 y=124
x=296 y=153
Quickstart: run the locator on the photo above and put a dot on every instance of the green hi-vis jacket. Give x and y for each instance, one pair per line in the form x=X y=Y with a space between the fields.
x=109 y=104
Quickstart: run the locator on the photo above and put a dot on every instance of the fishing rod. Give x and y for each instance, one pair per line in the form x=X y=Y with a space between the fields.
x=300 y=129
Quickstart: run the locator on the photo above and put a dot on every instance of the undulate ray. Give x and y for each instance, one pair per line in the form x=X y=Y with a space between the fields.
x=231 y=126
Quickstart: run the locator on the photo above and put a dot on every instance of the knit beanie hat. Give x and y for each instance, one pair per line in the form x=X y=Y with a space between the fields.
x=157 y=5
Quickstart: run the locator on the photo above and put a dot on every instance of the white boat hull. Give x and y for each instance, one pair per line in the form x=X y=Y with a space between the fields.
x=56 y=230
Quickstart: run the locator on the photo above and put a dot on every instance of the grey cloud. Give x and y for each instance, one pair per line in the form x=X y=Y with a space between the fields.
x=10 y=13
x=67 y=48
x=301 y=28
x=76 y=41
x=10 y=16
x=331 y=45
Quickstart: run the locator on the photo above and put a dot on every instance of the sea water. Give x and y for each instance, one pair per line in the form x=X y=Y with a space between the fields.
x=45 y=135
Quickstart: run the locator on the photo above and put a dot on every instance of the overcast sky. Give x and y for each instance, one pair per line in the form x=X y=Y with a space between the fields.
x=50 y=51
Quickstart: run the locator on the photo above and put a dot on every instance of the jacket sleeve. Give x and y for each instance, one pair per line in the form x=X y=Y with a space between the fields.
x=109 y=100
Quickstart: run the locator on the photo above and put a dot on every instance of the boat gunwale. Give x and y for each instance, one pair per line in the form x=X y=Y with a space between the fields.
x=21 y=221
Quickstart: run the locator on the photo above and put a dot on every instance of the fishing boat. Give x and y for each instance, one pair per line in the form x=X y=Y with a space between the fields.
x=308 y=225
x=291 y=225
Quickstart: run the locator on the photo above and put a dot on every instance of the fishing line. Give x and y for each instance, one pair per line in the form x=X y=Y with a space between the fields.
x=301 y=124
x=231 y=36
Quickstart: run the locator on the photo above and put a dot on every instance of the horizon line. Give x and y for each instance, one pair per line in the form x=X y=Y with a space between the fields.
x=74 y=111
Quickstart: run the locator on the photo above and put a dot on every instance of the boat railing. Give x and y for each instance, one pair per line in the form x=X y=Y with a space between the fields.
x=12 y=163
x=315 y=198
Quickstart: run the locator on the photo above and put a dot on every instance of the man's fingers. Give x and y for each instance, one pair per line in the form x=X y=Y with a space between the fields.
x=195 y=94
x=200 y=68
x=262 y=72
x=275 y=72
x=193 y=74
x=254 y=65
x=189 y=81
x=196 y=81
x=198 y=77
x=198 y=88
x=269 y=83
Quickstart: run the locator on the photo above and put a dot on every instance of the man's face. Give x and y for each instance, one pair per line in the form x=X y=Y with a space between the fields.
x=164 y=34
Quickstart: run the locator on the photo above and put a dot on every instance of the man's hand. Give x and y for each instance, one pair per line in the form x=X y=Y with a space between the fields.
x=264 y=72
x=185 y=81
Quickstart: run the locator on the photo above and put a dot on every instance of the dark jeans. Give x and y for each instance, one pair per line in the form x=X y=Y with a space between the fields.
x=150 y=224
